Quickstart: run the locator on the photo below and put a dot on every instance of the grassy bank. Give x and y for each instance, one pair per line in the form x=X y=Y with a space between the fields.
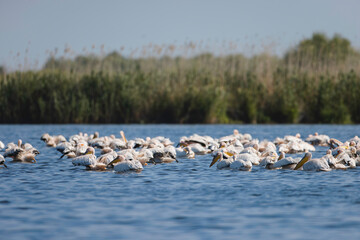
x=318 y=81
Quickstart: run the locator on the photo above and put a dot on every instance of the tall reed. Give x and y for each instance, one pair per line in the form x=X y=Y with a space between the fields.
x=318 y=81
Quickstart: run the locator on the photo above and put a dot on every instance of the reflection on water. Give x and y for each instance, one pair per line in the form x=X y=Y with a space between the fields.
x=53 y=199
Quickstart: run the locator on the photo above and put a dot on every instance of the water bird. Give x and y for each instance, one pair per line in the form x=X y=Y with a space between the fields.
x=120 y=164
x=185 y=152
x=21 y=152
x=284 y=162
x=241 y=164
x=88 y=159
x=309 y=164
x=224 y=159
x=318 y=140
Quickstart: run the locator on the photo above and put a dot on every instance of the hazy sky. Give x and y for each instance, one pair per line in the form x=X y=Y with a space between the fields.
x=43 y=25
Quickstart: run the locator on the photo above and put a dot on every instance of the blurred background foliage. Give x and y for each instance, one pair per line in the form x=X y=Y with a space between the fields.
x=317 y=81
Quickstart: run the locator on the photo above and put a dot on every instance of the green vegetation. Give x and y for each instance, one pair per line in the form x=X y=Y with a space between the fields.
x=318 y=81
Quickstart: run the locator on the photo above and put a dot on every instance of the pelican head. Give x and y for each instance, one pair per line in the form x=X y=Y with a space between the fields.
x=338 y=152
x=118 y=159
x=96 y=135
x=306 y=158
x=334 y=143
x=222 y=145
x=19 y=143
x=123 y=136
x=90 y=150
x=281 y=156
x=30 y=159
x=216 y=158
x=45 y=137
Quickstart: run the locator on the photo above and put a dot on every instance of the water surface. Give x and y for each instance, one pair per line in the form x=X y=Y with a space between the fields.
x=188 y=200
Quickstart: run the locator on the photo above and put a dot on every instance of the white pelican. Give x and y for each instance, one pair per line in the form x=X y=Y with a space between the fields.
x=144 y=156
x=316 y=139
x=81 y=147
x=122 y=165
x=253 y=158
x=224 y=158
x=269 y=158
x=334 y=143
x=89 y=159
x=343 y=159
x=162 y=157
x=267 y=146
x=242 y=165
x=21 y=152
x=185 y=152
x=52 y=141
x=107 y=158
x=309 y=164
x=285 y=163
x=2 y=146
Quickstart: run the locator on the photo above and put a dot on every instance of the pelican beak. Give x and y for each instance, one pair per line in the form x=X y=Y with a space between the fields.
x=116 y=160
x=215 y=159
x=123 y=136
x=33 y=161
x=4 y=165
x=302 y=162
x=182 y=144
x=229 y=154
x=338 y=154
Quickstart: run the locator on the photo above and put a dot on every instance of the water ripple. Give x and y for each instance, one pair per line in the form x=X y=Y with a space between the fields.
x=55 y=200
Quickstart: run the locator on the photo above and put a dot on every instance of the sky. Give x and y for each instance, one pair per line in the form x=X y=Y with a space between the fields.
x=32 y=30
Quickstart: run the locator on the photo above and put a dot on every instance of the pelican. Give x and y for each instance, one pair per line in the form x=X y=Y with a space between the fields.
x=343 y=160
x=2 y=146
x=198 y=144
x=253 y=158
x=144 y=156
x=185 y=152
x=309 y=164
x=269 y=158
x=2 y=161
x=266 y=146
x=242 y=165
x=21 y=152
x=52 y=141
x=107 y=158
x=162 y=157
x=284 y=163
x=122 y=165
x=316 y=139
x=224 y=158
x=89 y=159
x=334 y=143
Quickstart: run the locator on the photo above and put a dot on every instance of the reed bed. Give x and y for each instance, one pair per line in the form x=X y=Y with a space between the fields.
x=318 y=81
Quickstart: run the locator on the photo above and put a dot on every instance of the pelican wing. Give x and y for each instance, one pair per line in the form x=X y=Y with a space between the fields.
x=128 y=166
x=85 y=160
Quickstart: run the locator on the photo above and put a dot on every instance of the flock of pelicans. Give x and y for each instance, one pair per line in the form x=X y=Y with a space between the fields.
x=236 y=151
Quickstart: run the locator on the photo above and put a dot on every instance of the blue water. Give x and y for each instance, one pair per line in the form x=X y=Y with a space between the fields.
x=188 y=200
